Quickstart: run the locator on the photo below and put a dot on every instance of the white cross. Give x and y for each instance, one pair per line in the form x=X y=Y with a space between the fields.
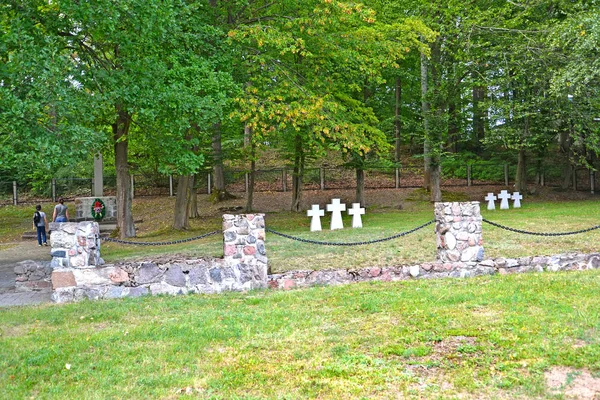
x=491 y=201
x=517 y=198
x=356 y=211
x=504 y=196
x=336 y=213
x=316 y=214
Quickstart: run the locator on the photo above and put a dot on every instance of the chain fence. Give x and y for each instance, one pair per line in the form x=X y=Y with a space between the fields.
x=540 y=233
x=107 y=239
x=299 y=239
x=361 y=243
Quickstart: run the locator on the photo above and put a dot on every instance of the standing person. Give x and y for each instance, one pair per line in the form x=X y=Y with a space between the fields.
x=61 y=214
x=40 y=222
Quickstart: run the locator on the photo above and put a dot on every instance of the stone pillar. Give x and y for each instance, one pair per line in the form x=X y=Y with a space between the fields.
x=75 y=244
x=244 y=243
x=98 y=176
x=458 y=229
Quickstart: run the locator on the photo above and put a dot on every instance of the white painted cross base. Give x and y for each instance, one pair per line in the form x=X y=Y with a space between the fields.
x=491 y=199
x=336 y=208
x=356 y=211
x=504 y=196
x=517 y=197
x=316 y=213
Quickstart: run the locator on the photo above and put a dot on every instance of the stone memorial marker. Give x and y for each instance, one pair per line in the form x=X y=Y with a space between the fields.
x=336 y=208
x=316 y=213
x=491 y=199
x=517 y=197
x=356 y=211
x=504 y=196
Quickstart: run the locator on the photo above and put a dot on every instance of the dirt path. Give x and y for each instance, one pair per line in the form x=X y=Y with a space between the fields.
x=11 y=254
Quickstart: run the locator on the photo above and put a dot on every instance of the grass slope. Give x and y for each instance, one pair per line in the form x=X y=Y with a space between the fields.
x=488 y=337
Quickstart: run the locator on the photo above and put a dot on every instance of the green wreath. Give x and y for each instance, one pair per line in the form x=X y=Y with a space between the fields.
x=98 y=209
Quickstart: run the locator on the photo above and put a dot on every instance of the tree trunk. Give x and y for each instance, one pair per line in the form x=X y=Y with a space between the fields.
x=124 y=200
x=360 y=186
x=397 y=121
x=565 y=149
x=521 y=178
x=436 y=191
x=298 y=175
x=453 y=136
x=180 y=220
x=433 y=131
x=478 y=118
x=251 y=175
x=425 y=109
x=219 y=189
x=193 y=199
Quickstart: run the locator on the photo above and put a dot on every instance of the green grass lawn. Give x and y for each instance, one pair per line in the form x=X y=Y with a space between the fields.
x=487 y=337
x=285 y=254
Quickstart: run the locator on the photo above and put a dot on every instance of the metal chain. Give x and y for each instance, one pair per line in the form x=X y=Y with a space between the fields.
x=541 y=233
x=350 y=243
x=161 y=243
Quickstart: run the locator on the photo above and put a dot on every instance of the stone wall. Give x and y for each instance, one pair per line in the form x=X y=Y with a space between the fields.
x=560 y=262
x=75 y=244
x=458 y=230
x=244 y=267
x=83 y=207
x=33 y=275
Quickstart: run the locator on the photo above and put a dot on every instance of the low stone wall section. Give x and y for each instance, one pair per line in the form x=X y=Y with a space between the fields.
x=243 y=267
x=560 y=262
x=215 y=275
x=206 y=275
x=33 y=275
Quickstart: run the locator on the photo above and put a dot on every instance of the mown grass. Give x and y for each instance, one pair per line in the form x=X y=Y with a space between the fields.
x=488 y=337
x=14 y=220
x=285 y=254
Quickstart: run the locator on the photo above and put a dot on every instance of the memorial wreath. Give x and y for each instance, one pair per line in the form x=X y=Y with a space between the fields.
x=98 y=209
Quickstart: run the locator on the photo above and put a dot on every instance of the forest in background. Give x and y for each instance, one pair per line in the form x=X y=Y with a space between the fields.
x=178 y=87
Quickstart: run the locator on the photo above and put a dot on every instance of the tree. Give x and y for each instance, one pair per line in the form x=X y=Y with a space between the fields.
x=143 y=67
x=43 y=113
x=307 y=73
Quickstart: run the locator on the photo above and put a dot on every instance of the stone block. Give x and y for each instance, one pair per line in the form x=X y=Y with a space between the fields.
x=137 y=291
x=215 y=274
x=61 y=279
x=229 y=236
x=593 y=262
x=21 y=268
x=198 y=276
x=63 y=295
x=165 y=288
x=148 y=273
x=118 y=276
x=414 y=270
x=115 y=292
x=93 y=276
x=174 y=276
x=249 y=250
x=450 y=241
x=289 y=284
